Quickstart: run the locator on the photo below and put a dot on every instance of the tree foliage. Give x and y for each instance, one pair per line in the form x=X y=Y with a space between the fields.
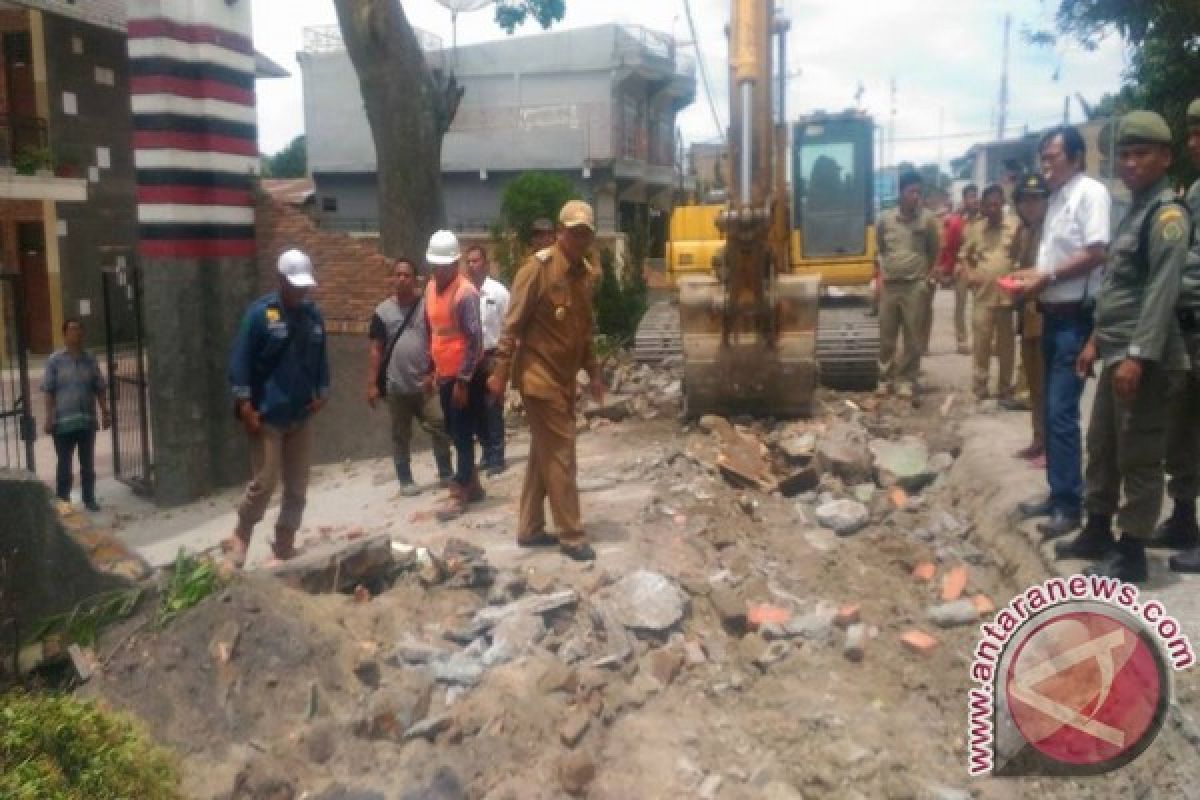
x=532 y=195
x=1164 y=38
x=411 y=100
x=290 y=162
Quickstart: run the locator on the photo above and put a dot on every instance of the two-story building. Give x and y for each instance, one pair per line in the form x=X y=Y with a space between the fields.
x=597 y=105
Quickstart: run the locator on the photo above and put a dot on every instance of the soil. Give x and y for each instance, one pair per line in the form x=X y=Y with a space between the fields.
x=267 y=692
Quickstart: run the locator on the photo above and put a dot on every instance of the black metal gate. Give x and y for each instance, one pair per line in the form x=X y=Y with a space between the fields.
x=127 y=384
x=17 y=426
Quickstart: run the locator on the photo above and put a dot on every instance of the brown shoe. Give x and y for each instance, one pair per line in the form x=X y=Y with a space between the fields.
x=453 y=504
x=235 y=548
x=539 y=539
x=474 y=490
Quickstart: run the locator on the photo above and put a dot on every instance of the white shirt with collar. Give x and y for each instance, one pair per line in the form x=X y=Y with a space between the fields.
x=1077 y=216
x=493 y=305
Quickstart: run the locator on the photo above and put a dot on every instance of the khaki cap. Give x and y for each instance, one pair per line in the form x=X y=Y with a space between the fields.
x=1143 y=126
x=1193 y=112
x=576 y=213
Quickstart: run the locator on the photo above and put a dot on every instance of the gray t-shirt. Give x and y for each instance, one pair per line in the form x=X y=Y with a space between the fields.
x=410 y=358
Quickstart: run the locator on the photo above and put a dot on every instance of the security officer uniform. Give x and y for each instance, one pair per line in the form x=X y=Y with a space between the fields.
x=988 y=257
x=908 y=248
x=1183 y=427
x=1135 y=321
x=547 y=339
x=1033 y=368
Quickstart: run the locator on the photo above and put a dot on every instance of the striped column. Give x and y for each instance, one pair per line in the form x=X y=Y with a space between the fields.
x=195 y=139
x=195 y=149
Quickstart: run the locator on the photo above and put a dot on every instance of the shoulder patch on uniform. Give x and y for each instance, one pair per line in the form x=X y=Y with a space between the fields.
x=273 y=314
x=1173 y=230
x=1171 y=212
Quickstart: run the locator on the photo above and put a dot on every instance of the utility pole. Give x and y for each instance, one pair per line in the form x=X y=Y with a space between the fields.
x=1002 y=110
x=892 y=128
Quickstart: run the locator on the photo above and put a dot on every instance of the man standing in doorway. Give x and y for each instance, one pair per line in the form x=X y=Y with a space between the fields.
x=547 y=339
x=399 y=370
x=908 y=242
x=456 y=346
x=279 y=373
x=493 y=305
x=1139 y=351
x=74 y=387
x=1073 y=249
x=988 y=257
x=1180 y=531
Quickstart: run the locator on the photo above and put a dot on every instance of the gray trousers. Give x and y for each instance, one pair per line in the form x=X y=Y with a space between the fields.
x=426 y=409
x=1126 y=445
x=1183 y=431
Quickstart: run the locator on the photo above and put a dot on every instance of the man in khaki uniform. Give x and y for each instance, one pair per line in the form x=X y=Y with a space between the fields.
x=547 y=339
x=970 y=217
x=987 y=257
x=1030 y=198
x=1140 y=352
x=908 y=238
x=1183 y=427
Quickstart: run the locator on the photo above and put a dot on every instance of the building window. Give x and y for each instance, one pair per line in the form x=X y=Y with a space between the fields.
x=329 y=203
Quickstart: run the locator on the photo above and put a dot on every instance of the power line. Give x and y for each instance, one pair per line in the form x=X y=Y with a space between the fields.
x=687 y=7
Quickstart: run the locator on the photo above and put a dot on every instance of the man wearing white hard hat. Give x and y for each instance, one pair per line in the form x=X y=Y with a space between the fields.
x=455 y=348
x=279 y=373
x=547 y=339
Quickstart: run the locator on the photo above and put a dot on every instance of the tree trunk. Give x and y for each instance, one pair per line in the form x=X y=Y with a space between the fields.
x=409 y=107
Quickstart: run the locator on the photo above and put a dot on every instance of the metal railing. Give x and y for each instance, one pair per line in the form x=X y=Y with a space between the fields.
x=17 y=426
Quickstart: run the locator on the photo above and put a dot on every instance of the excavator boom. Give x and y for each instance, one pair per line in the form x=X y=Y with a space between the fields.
x=749 y=330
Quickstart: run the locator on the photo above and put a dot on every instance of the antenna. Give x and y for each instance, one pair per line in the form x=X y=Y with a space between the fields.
x=1002 y=110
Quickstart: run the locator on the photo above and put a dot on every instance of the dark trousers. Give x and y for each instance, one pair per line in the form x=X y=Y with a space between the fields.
x=65 y=445
x=462 y=424
x=1063 y=338
x=491 y=432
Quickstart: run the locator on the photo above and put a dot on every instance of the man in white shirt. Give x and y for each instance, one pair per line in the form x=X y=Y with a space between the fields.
x=1073 y=250
x=493 y=305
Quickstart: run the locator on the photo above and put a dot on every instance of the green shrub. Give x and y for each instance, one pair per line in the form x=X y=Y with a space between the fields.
x=532 y=195
x=618 y=305
x=192 y=580
x=54 y=747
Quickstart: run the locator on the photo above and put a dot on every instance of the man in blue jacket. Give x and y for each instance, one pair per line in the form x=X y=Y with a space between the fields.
x=279 y=373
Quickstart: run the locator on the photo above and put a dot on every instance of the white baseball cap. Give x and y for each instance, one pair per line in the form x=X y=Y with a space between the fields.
x=443 y=249
x=297 y=268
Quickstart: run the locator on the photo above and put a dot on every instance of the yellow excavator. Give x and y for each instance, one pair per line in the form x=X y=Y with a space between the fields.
x=751 y=273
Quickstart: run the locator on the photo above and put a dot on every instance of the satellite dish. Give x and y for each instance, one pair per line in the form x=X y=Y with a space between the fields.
x=456 y=6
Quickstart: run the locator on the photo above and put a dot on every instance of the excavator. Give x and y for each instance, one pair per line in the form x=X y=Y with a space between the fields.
x=753 y=272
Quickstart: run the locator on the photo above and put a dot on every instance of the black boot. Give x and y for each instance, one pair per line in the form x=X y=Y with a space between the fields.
x=445 y=467
x=1180 y=531
x=1093 y=543
x=1187 y=561
x=1127 y=562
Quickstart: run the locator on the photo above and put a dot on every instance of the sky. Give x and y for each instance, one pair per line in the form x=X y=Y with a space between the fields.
x=945 y=57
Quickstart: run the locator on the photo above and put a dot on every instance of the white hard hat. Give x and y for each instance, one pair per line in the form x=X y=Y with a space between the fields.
x=443 y=248
x=297 y=268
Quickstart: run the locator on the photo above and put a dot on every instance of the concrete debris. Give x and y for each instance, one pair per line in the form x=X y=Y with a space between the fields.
x=693 y=654
x=903 y=462
x=709 y=787
x=429 y=728
x=488 y=617
x=941 y=462
x=576 y=771
x=843 y=450
x=865 y=493
x=665 y=664
x=646 y=601
x=615 y=408
x=730 y=608
x=773 y=653
x=798 y=449
x=799 y=481
x=620 y=643
x=843 y=516
x=958 y=612
x=512 y=637
x=573 y=728
x=856 y=640
x=816 y=625
x=338 y=566
x=459 y=669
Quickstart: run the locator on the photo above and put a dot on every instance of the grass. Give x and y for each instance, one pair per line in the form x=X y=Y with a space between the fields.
x=54 y=747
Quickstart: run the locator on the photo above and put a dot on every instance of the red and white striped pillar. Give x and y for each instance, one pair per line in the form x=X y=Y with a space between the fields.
x=195 y=150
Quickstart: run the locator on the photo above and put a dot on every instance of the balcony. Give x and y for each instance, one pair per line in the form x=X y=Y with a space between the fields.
x=28 y=167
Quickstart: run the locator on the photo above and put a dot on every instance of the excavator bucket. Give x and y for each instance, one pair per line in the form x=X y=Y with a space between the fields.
x=746 y=372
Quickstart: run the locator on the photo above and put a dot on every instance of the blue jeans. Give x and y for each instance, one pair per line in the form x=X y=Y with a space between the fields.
x=65 y=445
x=1063 y=338
x=462 y=424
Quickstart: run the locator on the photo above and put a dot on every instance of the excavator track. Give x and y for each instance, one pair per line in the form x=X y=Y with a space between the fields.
x=658 y=336
x=848 y=347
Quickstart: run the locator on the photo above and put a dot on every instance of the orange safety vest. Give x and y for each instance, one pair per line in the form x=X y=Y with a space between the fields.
x=448 y=343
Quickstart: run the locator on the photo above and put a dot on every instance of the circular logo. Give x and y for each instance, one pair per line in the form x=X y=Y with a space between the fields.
x=1088 y=688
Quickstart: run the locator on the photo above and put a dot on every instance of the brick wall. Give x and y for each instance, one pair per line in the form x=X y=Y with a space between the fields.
x=352 y=273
